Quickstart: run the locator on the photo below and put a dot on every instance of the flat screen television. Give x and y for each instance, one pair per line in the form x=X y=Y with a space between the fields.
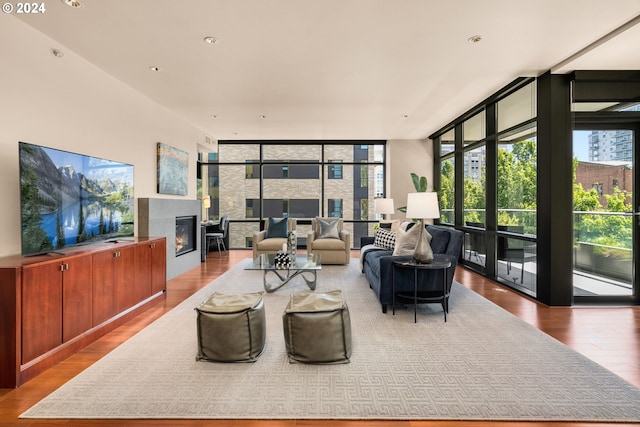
x=69 y=199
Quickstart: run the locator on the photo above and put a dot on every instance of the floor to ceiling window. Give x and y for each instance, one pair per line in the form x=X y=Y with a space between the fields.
x=545 y=211
x=447 y=177
x=253 y=180
x=487 y=185
x=474 y=166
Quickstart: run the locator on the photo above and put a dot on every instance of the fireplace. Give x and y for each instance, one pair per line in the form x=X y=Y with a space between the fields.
x=186 y=234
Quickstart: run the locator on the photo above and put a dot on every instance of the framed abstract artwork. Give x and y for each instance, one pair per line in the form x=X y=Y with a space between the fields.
x=173 y=170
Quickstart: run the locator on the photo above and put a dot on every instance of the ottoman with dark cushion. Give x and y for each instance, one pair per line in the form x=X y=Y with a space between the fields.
x=317 y=328
x=231 y=328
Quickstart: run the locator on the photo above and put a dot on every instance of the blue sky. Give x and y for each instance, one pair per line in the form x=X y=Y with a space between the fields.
x=581 y=144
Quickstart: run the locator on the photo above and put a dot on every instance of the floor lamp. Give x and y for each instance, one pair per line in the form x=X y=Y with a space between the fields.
x=423 y=206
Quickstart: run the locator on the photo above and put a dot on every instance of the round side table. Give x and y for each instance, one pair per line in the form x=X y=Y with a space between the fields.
x=412 y=265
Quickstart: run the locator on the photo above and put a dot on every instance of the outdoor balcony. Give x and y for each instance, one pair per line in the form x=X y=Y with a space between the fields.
x=602 y=253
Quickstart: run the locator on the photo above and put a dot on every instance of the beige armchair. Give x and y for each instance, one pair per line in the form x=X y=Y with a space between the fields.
x=270 y=245
x=330 y=240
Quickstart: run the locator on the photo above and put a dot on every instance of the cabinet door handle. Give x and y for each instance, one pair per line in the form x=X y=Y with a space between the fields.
x=66 y=266
x=116 y=254
x=61 y=267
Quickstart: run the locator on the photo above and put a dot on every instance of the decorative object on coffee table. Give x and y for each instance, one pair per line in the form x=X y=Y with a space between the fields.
x=292 y=243
x=317 y=328
x=305 y=266
x=282 y=261
x=422 y=206
x=231 y=328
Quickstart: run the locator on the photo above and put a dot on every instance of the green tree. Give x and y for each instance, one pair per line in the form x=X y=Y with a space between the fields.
x=517 y=175
x=598 y=227
x=617 y=202
x=474 y=200
x=447 y=190
x=585 y=200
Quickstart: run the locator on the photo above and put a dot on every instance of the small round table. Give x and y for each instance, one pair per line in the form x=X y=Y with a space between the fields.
x=434 y=265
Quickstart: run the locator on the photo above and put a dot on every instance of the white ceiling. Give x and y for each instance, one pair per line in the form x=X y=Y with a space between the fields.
x=337 y=69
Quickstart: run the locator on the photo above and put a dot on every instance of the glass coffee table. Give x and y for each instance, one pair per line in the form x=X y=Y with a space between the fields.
x=305 y=266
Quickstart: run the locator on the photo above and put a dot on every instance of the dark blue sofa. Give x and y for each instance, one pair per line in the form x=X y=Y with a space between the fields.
x=377 y=266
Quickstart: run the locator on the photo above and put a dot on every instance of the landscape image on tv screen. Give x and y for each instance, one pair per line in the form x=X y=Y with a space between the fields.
x=69 y=199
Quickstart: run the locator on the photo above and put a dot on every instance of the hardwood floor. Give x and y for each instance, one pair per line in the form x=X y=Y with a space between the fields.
x=607 y=335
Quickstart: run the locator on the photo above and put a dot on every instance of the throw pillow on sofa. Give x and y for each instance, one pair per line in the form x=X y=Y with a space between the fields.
x=277 y=228
x=328 y=229
x=385 y=239
x=407 y=239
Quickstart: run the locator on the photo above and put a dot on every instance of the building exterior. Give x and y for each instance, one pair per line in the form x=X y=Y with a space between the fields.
x=255 y=180
x=608 y=145
x=605 y=178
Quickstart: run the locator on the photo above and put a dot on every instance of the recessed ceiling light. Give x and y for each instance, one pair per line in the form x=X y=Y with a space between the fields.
x=73 y=3
x=154 y=68
x=404 y=116
x=210 y=40
x=213 y=116
x=57 y=53
x=474 y=39
x=262 y=116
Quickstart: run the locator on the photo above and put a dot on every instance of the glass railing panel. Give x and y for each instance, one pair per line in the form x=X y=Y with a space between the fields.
x=475 y=248
x=602 y=253
x=517 y=264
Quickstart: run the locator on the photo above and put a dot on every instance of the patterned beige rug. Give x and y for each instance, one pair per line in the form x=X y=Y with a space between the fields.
x=483 y=364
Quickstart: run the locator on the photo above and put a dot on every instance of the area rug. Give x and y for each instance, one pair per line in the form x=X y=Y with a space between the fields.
x=482 y=364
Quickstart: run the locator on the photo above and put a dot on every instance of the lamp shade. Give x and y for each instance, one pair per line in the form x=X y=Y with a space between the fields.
x=422 y=205
x=383 y=206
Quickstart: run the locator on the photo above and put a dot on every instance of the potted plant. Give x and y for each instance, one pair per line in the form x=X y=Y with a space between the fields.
x=420 y=184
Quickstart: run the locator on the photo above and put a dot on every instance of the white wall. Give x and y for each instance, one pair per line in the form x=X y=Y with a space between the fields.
x=67 y=103
x=404 y=157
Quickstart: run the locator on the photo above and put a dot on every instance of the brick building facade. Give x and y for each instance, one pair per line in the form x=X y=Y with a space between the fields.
x=605 y=177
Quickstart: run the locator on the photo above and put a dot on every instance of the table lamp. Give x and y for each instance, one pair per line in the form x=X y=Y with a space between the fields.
x=383 y=206
x=423 y=206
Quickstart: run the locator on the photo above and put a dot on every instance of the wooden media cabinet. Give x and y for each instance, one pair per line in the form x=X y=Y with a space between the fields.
x=53 y=305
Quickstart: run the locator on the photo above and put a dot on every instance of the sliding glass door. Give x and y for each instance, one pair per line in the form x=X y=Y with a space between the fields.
x=605 y=221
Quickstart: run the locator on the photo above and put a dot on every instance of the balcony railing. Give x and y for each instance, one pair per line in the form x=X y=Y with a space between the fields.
x=602 y=245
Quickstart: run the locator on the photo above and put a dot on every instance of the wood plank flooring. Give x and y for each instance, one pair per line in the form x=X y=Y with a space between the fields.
x=607 y=335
